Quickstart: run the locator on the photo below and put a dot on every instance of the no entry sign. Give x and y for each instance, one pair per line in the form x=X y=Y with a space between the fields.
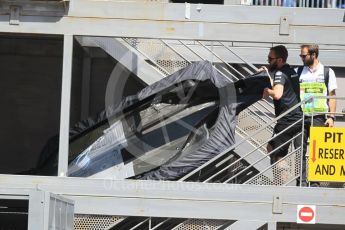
x=306 y=214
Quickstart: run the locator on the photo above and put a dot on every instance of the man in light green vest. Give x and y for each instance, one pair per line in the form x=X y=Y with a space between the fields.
x=316 y=80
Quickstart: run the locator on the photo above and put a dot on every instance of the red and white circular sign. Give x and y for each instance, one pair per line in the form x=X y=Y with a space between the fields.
x=306 y=214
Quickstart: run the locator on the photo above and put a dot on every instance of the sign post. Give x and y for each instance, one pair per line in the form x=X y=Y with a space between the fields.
x=326 y=154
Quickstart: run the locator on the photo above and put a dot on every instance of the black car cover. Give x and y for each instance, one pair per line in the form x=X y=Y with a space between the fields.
x=166 y=130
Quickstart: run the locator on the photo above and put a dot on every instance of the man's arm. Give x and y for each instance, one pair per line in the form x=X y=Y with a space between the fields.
x=276 y=92
x=264 y=68
x=332 y=108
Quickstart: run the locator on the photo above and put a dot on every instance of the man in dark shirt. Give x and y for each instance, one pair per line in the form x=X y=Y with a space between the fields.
x=284 y=97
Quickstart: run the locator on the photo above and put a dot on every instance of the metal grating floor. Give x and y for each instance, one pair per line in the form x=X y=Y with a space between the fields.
x=95 y=222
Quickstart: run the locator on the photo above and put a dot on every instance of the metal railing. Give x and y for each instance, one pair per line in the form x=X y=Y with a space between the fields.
x=282 y=173
x=246 y=139
x=169 y=56
x=256 y=178
x=285 y=171
x=295 y=155
x=313 y=114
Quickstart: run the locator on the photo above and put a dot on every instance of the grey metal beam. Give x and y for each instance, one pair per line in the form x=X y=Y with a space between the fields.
x=14 y=193
x=271 y=226
x=42 y=214
x=125 y=55
x=176 y=29
x=85 y=87
x=45 y=8
x=35 y=209
x=212 y=22
x=330 y=57
x=186 y=199
x=177 y=12
x=65 y=105
x=37 y=219
x=245 y=225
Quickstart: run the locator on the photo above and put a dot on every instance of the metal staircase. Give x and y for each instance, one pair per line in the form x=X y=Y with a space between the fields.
x=231 y=166
x=191 y=32
x=245 y=163
x=166 y=57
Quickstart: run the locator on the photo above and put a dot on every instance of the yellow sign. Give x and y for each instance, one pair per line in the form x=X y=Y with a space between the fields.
x=327 y=154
